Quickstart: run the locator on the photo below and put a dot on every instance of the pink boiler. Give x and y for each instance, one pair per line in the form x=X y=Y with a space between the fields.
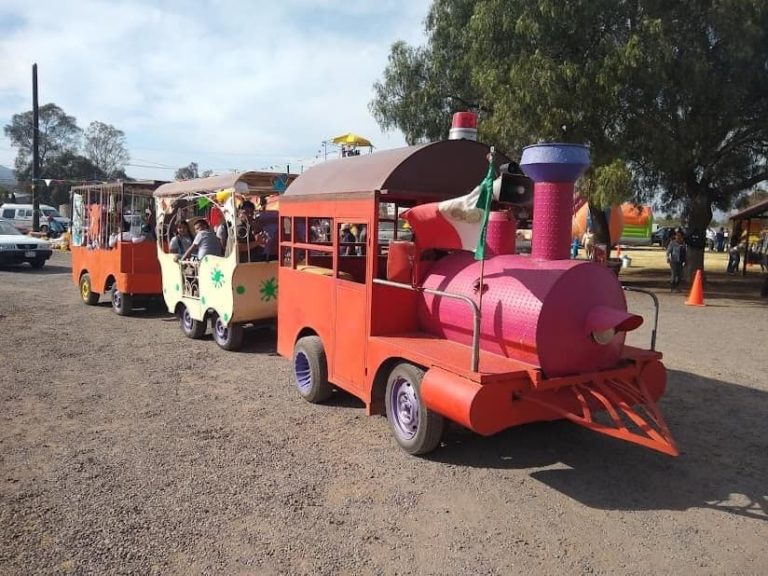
x=563 y=316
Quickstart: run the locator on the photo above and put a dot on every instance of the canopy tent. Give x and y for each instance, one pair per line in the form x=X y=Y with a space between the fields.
x=351 y=139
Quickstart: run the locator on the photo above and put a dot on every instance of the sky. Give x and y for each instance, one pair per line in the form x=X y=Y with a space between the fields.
x=229 y=84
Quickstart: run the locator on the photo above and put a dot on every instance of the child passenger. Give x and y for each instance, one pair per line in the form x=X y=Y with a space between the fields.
x=205 y=242
x=181 y=241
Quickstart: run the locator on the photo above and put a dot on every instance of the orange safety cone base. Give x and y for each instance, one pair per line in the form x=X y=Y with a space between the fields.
x=696 y=297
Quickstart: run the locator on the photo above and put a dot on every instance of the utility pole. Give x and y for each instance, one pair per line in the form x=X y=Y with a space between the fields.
x=35 y=153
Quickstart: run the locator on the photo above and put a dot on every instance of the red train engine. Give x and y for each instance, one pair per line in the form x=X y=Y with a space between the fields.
x=420 y=329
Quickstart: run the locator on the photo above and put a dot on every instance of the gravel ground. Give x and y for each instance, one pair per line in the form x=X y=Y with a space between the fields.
x=126 y=448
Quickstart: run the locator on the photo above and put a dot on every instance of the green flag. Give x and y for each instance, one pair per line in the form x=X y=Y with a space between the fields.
x=484 y=203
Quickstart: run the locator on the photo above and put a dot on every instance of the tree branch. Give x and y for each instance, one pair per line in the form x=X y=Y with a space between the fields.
x=744 y=184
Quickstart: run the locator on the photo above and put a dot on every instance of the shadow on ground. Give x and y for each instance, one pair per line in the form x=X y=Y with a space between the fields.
x=47 y=270
x=717 y=285
x=720 y=428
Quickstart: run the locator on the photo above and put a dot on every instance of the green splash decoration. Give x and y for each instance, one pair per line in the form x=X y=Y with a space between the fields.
x=217 y=277
x=268 y=289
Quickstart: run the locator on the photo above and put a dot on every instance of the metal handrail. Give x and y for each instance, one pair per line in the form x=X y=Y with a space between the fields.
x=467 y=299
x=656 y=316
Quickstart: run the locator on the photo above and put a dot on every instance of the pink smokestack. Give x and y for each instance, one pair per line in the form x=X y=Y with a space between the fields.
x=554 y=169
x=501 y=236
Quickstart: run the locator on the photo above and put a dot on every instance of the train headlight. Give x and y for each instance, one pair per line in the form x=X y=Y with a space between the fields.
x=604 y=322
x=603 y=337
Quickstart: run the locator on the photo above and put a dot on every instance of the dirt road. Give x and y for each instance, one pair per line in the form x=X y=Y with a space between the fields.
x=127 y=448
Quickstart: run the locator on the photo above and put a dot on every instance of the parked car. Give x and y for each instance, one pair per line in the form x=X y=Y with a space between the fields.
x=21 y=216
x=16 y=248
x=662 y=235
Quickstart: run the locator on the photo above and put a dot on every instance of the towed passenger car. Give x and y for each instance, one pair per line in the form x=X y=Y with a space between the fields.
x=16 y=248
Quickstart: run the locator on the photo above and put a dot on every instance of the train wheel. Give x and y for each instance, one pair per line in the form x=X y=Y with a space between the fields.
x=227 y=337
x=122 y=304
x=88 y=296
x=416 y=428
x=311 y=369
x=192 y=328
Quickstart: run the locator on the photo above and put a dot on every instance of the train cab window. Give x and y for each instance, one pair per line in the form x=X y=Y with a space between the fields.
x=392 y=227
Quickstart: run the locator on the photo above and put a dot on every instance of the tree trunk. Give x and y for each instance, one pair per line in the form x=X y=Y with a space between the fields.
x=699 y=218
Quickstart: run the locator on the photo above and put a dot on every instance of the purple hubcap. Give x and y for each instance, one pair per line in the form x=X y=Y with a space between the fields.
x=302 y=371
x=117 y=299
x=220 y=329
x=186 y=319
x=404 y=408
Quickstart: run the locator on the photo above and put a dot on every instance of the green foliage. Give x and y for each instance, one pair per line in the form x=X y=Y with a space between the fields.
x=607 y=185
x=60 y=162
x=674 y=92
x=105 y=147
x=67 y=168
x=187 y=172
x=57 y=133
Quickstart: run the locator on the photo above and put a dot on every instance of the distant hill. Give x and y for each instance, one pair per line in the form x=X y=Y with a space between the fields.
x=7 y=177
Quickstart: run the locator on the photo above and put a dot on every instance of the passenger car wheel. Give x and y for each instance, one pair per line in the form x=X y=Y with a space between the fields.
x=227 y=337
x=310 y=369
x=88 y=296
x=122 y=303
x=192 y=328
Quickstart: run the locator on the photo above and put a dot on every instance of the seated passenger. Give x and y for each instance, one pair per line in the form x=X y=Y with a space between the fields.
x=148 y=227
x=251 y=237
x=122 y=237
x=181 y=240
x=205 y=242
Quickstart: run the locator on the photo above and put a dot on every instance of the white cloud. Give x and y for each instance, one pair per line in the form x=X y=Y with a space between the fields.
x=225 y=83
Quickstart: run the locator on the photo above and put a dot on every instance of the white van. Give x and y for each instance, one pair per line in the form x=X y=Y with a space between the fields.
x=21 y=215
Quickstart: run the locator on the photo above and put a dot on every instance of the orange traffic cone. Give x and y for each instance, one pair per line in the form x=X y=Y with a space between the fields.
x=696 y=297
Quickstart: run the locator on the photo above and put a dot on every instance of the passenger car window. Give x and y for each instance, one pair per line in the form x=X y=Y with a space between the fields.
x=353 y=239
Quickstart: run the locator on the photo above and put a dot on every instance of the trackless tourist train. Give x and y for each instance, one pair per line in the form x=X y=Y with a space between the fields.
x=399 y=282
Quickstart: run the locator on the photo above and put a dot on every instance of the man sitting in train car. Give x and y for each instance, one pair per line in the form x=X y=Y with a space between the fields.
x=251 y=237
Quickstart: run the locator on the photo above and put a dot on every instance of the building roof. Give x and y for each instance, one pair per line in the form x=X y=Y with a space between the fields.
x=759 y=210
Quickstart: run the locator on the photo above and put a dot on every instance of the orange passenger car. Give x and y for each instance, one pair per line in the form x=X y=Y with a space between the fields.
x=351 y=283
x=113 y=244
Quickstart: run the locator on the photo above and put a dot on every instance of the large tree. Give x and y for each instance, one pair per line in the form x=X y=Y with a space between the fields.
x=64 y=171
x=676 y=89
x=57 y=133
x=191 y=171
x=105 y=147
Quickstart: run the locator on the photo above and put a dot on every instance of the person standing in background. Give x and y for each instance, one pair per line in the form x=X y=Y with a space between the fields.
x=676 y=258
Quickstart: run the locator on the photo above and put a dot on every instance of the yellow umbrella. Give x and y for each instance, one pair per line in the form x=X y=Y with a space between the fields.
x=352 y=140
